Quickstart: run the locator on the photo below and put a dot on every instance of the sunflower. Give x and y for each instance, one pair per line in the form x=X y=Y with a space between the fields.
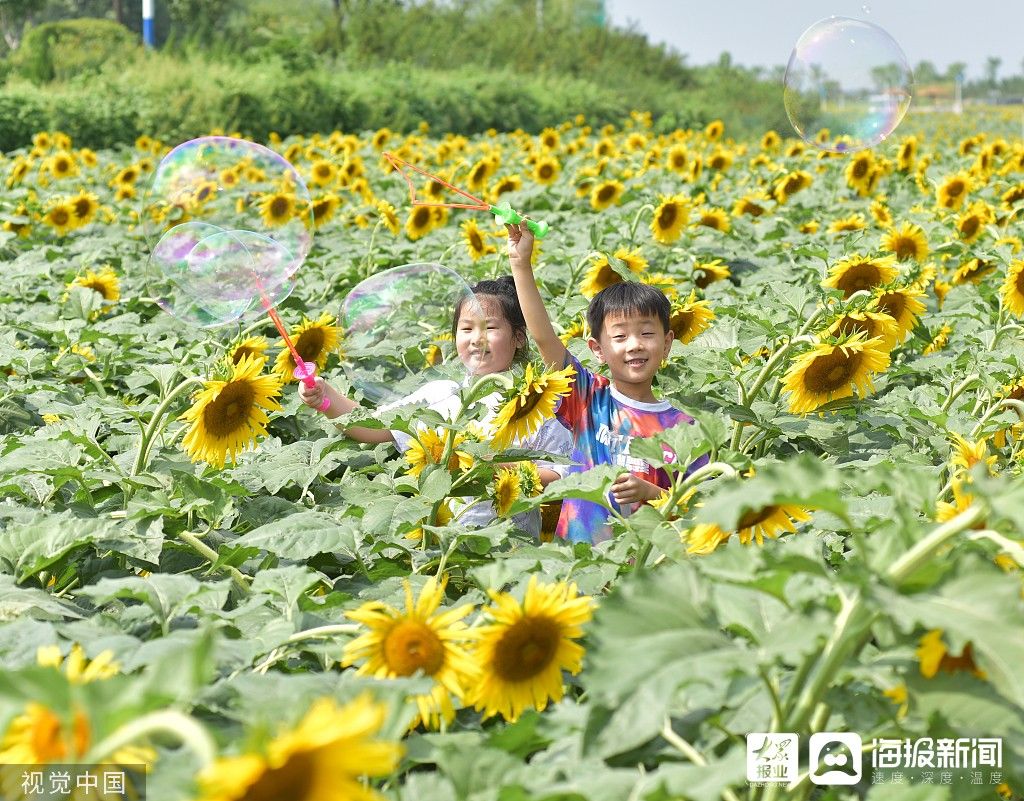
x=791 y=184
x=720 y=160
x=314 y=340
x=380 y=138
x=1012 y=292
x=953 y=191
x=388 y=216
x=1012 y=196
x=420 y=639
x=19 y=169
x=855 y=222
x=474 y=238
x=322 y=172
x=60 y=216
x=546 y=170
x=678 y=159
x=127 y=176
x=322 y=759
x=605 y=194
x=753 y=525
x=860 y=272
x=506 y=490
x=871 y=324
x=105 y=282
x=419 y=222
x=549 y=139
x=78 y=669
x=251 y=346
x=906 y=242
x=510 y=183
x=670 y=218
x=324 y=208
x=907 y=154
x=61 y=165
x=903 y=304
x=428 y=446
x=576 y=329
x=705 y=273
x=228 y=416
x=523 y=652
x=601 y=274
x=714 y=217
x=750 y=205
x=770 y=141
x=714 y=130
x=973 y=271
x=934 y=656
x=971 y=224
x=526 y=406
x=829 y=372
x=858 y=171
x=881 y=213
x=688 y=319
x=84 y=206
x=810 y=227
x=965 y=454
x=277 y=208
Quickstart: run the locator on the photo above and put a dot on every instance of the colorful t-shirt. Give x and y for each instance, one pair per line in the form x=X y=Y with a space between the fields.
x=604 y=423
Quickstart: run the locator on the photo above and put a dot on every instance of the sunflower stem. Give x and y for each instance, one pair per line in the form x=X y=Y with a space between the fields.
x=325 y=631
x=958 y=390
x=154 y=427
x=683 y=747
x=241 y=581
x=169 y=721
x=697 y=476
x=636 y=221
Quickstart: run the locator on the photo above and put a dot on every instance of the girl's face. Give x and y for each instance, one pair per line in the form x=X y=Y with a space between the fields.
x=484 y=338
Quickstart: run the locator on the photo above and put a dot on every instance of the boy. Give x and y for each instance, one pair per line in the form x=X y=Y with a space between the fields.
x=629 y=331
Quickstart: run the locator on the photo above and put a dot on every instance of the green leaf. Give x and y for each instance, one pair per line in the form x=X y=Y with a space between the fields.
x=303 y=535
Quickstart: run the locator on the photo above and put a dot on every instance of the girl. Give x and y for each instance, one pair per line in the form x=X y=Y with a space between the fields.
x=490 y=336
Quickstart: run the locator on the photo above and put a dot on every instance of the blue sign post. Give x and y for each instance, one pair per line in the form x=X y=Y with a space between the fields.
x=147 y=23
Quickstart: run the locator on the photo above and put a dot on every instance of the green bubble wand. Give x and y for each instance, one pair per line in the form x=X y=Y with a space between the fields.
x=503 y=212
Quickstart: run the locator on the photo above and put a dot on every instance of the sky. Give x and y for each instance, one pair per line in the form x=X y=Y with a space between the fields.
x=763 y=32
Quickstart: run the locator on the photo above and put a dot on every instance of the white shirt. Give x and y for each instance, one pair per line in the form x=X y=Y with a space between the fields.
x=552 y=437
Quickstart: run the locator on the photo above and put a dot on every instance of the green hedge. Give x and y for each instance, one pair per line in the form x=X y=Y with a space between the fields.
x=72 y=48
x=178 y=104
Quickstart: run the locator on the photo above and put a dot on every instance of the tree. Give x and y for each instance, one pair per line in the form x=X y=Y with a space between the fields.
x=13 y=16
x=992 y=70
x=955 y=69
x=925 y=72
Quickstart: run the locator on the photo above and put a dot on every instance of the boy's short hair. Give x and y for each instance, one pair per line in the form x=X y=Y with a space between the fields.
x=628 y=298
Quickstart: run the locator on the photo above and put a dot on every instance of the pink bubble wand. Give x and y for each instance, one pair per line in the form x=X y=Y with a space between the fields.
x=304 y=371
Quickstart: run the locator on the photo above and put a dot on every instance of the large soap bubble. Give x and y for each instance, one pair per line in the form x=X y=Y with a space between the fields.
x=398 y=330
x=847 y=85
x=229 y=222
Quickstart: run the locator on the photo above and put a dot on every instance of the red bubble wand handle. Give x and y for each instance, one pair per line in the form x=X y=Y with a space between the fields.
x=304 y=371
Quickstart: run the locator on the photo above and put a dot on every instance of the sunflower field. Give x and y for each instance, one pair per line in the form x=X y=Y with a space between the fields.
x=203 y=578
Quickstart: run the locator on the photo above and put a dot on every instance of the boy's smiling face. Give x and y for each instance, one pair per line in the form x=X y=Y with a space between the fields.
x=633 y=346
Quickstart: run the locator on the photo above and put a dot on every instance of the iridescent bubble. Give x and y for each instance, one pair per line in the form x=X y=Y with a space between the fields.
x=229 y=222
x=398 y=330
x=847 y=86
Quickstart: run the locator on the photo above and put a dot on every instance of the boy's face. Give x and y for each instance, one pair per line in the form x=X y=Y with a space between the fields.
x=484 y=338
x=633 y=347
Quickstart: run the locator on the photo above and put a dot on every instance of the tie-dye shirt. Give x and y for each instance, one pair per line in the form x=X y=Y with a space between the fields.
x=604 y=423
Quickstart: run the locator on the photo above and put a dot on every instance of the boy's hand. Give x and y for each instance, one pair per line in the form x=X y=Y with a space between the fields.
x=631 y=489
x=313 y=397
x=520 y=243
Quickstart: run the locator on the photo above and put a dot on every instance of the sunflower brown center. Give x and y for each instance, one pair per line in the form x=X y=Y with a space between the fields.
x=755 y=516
x=310 y=343
x=45 y=737
x=293 y=779
x=905 y=247
x=476 y=241
x=529 y=402
x=230 y=412
x=62 y=165
x=892 y=304
x=241 y=352
x=860 y=168
x=279 y=207
x=606 y=193
x=411 y=646
x=82 y=207
x=667 y=216
x=832 y=371
x=955 y=188
x=860 y=276
x=681 y=323
x=421 y=218
x=526 y=649
x=545 y=171
x=969 y=227
x=60 y=217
